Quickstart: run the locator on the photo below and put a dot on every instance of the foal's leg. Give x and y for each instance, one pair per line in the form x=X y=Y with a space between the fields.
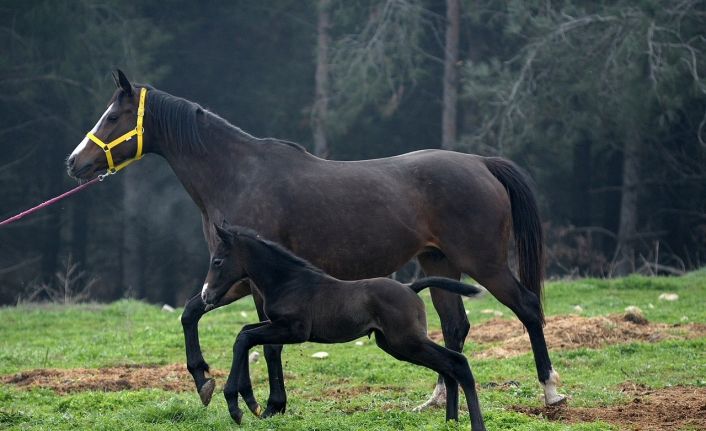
x=452 y=365
x=277 y=400
x=454 y=322
x=455 y=365
x=451 y=404
x=267 y=333
x=525 y=304
x=244 y=383
x=195 y=363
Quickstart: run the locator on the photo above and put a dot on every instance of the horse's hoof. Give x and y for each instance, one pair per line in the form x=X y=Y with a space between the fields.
x=556 y=400
x=237 y=415
x=206 y=391
x=271 y=411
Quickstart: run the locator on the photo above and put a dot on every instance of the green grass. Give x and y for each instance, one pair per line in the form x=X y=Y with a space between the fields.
x=131 y=332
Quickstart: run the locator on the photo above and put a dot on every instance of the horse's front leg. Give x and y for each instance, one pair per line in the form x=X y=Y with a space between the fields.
x=195 y=363
x=277 y=400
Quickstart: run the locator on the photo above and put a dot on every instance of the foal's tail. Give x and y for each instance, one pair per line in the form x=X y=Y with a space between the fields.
x=525 y=222
x=447 y=284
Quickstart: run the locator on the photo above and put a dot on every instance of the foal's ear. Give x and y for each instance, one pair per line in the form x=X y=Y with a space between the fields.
x=224 y=234
x=122 y=82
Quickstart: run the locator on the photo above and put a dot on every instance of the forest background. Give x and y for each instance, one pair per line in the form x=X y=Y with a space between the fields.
x=602 y=103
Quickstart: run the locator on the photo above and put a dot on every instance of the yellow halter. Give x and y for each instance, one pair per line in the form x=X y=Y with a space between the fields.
x=138 y=130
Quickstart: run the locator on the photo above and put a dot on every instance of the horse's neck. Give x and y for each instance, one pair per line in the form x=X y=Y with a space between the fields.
x=212 y=177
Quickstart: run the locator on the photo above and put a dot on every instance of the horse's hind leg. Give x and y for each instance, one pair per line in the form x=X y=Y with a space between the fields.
x=454 y=322
x=525 y=304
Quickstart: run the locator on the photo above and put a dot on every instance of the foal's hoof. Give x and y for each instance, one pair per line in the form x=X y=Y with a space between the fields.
x=255 y=409
x=272 y=410
x=556 y=400
x=206 y=391
x=237 y=415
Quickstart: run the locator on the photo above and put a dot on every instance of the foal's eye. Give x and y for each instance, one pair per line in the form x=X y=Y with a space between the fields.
x=217 y=262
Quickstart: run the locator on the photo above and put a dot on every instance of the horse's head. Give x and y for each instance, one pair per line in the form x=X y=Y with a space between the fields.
x=226 y=266
x=116 y=139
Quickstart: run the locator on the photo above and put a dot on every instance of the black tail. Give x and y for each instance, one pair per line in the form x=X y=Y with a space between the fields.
x=446 y=284
x=525 y=222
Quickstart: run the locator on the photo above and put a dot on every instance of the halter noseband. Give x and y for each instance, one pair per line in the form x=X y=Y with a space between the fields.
x=138 y=130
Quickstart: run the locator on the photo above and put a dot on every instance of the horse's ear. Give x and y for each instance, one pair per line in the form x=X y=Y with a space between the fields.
x=114 y=74
x=123 y=82
x=224 y=234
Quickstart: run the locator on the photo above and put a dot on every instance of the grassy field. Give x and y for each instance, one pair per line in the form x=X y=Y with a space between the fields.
x=356 y=387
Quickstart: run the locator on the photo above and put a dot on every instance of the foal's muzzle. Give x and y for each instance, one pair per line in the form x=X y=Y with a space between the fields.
x=210 y=297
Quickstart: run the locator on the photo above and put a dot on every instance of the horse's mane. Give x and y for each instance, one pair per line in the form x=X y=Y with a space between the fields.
x=284 y=256
x=177 y=119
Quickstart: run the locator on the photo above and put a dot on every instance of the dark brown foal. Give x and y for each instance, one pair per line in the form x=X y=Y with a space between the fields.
x=302 y=303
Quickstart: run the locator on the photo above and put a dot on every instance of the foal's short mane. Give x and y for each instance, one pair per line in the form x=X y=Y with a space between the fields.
x=287 y=257
x=177 y=119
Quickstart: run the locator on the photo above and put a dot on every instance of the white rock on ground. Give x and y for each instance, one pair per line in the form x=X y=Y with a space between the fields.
x=254 y=357
x=667 y=296
x=359 y=343
x=168 y=308
x=320 y=355
x=578 y=308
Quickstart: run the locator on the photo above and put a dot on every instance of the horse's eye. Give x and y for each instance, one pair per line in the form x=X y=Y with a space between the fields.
x=217 y=262
x=112 y=118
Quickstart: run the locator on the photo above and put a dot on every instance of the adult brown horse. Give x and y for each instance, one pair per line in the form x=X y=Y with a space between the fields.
x=363 y=219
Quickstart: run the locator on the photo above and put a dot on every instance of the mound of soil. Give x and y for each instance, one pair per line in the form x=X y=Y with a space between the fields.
x=672 y=408
x=507 y=338
x=121 y=378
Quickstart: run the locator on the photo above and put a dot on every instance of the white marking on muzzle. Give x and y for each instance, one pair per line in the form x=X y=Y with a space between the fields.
x=84 y=142
x=203 y=292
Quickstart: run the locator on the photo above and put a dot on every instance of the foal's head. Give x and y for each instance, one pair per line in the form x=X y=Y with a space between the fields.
x=226 y=266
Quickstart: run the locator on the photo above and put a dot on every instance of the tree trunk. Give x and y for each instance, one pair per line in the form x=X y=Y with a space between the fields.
x=449 y=123
x=627 y=230
x=322 y=75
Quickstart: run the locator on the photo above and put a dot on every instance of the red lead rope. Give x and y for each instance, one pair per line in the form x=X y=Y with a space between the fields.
x=49 y=202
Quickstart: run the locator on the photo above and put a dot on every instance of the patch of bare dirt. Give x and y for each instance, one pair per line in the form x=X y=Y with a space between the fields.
x=672 y=408
x=121 y=378
x=507 y=338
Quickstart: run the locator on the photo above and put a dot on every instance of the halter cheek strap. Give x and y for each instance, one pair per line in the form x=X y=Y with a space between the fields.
x=138 y=130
